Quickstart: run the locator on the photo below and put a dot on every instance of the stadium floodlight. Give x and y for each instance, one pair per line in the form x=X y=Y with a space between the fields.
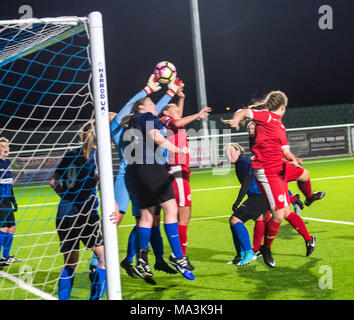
x=198 y=62
x=53 y=81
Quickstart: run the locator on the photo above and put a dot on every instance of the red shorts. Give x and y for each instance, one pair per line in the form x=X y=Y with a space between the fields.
x=274 y=186
x=292 y=172
x=180 y=176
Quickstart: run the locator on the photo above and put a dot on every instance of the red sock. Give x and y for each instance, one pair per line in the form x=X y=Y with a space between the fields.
x=305 y=188
x=292 y=199
x=182 y=233
x=258 y=234
x=271 y=231
x=299 y=225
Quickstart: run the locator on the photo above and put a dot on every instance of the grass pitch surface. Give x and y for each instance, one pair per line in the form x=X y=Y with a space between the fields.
x=326 y=275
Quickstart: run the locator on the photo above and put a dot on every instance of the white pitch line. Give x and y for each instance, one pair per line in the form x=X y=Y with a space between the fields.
x=218 y=217
x=38 y=205
x=305 y=218
x=328 y=178
x=329 y=221
x=316 y=179
x=26 y=286
x=305 y=162
x=197 y=190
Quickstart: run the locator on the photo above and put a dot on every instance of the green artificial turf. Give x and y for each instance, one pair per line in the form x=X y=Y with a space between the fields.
x=325 y=275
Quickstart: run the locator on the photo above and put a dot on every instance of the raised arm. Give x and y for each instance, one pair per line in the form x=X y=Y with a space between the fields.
x=238 y=117
x=151 y=86
x=181 y=99
x=186 y=120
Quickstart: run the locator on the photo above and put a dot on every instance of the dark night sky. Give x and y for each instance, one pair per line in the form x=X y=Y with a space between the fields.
x=250 y=47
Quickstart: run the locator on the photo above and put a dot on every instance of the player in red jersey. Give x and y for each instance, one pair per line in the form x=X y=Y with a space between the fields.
x=301 y=175
x=271 y=152
x=179 y=163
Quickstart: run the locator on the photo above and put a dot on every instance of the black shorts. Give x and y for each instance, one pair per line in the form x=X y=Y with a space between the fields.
x=7 y=217
x=78 y=222
x=151 y=183
x=252 y=208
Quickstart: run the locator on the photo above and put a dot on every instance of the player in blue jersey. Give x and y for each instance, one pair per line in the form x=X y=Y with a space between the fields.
x=253 y=208
x=122 y=196
x=75 y=181
x=147 y=177
x=8 y=205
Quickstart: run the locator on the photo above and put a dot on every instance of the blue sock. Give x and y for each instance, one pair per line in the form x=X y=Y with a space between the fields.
x=9 y=238
x=144 y=235
x=243 y=235
x=98 y=284
x=66 y=282
x=156 y=242
x=131 y=251
x=171 y=230
x=236 y=240
x=2 y=239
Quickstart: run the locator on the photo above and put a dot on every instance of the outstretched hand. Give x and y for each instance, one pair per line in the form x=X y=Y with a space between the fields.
x=174 y=86
x=234 y=124
x=152 y=85
x=204 y=112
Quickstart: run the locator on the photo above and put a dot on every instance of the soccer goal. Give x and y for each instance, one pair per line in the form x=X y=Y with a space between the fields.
x=52 y=81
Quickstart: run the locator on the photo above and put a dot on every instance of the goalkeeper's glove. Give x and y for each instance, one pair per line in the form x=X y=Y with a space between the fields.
x=152 y=85
x=173 y=86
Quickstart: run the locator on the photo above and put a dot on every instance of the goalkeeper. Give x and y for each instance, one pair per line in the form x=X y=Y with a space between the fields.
x=75 y=181
x=8 y=205
x=122 y=196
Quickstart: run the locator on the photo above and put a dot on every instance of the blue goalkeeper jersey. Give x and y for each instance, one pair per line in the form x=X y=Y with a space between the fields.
x=6 y=179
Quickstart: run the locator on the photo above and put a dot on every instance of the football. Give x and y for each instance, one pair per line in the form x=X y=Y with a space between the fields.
x=165 y=71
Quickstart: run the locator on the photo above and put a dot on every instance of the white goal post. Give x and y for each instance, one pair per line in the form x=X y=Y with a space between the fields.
x=104 y=154
x=23 y=42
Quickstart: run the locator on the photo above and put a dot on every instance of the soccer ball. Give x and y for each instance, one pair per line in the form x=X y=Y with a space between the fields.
x=165 y=71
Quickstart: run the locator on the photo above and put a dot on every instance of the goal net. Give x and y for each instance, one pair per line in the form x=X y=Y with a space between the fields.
x=46 y=95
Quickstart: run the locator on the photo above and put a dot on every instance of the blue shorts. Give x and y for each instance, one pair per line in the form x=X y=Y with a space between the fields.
x=7 y=217
x=78 y=222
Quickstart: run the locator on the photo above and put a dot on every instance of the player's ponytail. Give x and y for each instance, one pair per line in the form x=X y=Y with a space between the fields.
x=126 y=120
x=87 y=138
x=272 y=101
